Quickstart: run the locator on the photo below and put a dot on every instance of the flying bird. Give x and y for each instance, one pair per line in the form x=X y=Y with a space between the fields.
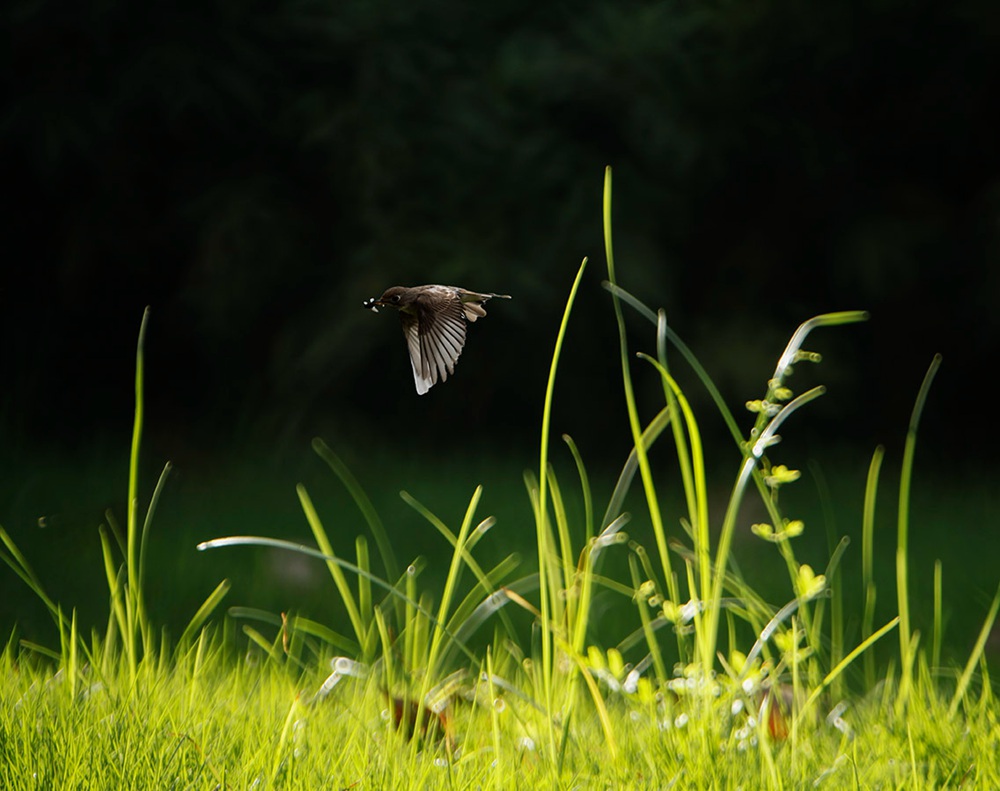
x=434 y=320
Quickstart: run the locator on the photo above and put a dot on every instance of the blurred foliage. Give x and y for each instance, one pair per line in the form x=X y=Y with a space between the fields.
x=254 y=170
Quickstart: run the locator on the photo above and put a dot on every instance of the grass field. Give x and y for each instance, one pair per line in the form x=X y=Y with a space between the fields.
x=639 y=632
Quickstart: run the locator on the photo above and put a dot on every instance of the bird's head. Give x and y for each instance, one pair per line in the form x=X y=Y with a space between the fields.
x=391 y=297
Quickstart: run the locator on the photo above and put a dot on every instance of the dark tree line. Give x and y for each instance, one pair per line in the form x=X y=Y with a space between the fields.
x=253 y=171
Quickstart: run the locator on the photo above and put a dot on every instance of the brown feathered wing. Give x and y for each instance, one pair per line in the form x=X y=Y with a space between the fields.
x=435 y=336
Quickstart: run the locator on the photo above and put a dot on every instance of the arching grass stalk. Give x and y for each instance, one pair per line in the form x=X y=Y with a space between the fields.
x=136 y=626
x=688 y=469
x=868 y=559
x=542 y=531
x=128 y=609
x=588 y=505
x=646 y=473
x=134 y=609
x=907 y=648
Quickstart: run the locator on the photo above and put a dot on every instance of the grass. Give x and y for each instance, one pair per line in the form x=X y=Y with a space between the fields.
x=492 y=676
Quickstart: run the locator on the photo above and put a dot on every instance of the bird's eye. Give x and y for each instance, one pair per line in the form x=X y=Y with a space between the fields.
x=395 y=298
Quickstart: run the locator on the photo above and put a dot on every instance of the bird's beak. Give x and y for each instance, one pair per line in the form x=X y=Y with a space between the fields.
x=370 y=304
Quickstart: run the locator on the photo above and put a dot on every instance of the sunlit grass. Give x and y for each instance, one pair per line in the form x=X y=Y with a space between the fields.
x=499 y=675
x=211 y=719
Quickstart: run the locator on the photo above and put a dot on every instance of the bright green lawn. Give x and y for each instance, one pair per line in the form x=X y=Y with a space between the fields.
x=242 y=722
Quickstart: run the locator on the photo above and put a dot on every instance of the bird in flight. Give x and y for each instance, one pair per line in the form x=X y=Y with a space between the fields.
x=434 y=320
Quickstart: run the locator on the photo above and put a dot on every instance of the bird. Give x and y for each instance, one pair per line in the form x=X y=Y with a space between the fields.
x=434 y=319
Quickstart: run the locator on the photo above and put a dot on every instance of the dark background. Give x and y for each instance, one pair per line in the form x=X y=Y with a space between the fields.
x=254 y=171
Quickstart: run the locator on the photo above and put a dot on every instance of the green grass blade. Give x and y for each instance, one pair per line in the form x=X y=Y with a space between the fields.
x=148 y=521
x=541 y=510
x=624 y=483
x=974 y=657
x=134 y=608
x=326 y=548
x=20 y=566
x=868 y=559
x=645 y=471
x=450 y=585
x=588 y=505
x=906 y=651
x=207 y=608
x=364 y=505
x=841 y=667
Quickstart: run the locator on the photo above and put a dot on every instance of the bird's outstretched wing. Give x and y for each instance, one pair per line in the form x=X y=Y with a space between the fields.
x=435 y=336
